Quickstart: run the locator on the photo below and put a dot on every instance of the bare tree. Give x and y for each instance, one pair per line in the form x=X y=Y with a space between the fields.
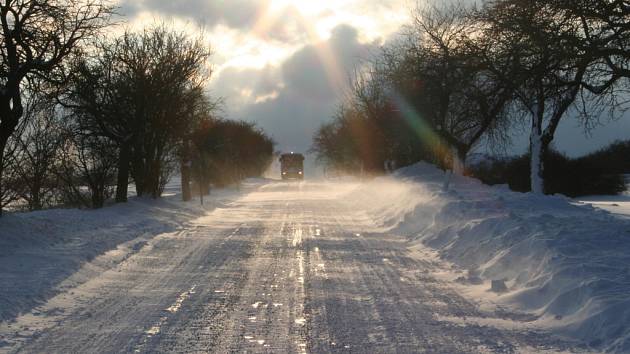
x=534 y=53
x=465 y=75
x=101 y=100
x=36 y=38
x=430 y=97
x=11 y=189
x=337 y=146
x=441 y=76
x=87 y=168
x=143 y=90
x=605 y=34
x=603 y=37
x=37 y=153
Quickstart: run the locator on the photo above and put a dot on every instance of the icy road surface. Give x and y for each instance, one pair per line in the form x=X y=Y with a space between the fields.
x=288 y=268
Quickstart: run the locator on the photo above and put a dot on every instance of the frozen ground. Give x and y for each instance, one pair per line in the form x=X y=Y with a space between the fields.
x=393 y=265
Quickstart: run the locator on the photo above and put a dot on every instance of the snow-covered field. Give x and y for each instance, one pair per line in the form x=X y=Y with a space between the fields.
x=564 y=262
x=618 y=205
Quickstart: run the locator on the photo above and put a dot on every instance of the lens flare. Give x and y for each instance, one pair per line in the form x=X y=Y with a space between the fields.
x=419 y=125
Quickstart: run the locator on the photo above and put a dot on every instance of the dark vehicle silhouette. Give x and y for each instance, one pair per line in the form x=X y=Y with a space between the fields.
x=292 y=166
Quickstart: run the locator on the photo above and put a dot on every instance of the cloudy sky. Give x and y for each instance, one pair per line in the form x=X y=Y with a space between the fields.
x=281 y=63
x=284 y=64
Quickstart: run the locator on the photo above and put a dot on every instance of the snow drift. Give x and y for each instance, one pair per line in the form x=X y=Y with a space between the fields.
x=566 y=262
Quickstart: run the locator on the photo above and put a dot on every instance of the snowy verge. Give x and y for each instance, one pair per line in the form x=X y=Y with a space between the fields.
x=616 y=204
x=45 y=252
x=564 y=262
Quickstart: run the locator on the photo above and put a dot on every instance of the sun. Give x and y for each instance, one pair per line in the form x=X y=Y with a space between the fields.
x=281 y=4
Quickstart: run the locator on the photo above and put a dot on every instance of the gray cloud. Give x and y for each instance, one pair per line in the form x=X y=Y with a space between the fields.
x=241 y=15
x=232 y=82
x=233 y=13
x=305 y=96
x=306 y=73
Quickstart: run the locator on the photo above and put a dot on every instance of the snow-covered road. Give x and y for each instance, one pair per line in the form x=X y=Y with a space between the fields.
x=287 y=268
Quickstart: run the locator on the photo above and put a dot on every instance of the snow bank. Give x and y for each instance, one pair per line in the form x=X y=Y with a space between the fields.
x=566 y=262
x=40 y=251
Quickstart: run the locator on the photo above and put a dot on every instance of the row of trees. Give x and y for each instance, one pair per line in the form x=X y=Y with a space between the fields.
x=83 y=114
x=224 y=152
x=144 y=93
x=463 y=76
x=122 y=110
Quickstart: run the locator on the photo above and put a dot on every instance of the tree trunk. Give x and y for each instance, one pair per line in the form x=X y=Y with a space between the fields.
x=156 y=179
x=448 y=176
x=459 y=161
x=151 y=179
x=139 y=169
x=122 y=185
x=206 y=186
x=457 y=167
x=98 y=197
x=3 y=143
x=36 y=203
x=537 y=150
x=139 y=178
x=185 y=171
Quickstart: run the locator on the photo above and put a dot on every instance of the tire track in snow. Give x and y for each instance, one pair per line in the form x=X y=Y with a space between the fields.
x=119 y=307
x=270 y=314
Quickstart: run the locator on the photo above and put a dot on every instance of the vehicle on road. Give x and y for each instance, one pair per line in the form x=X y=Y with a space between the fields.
x=292 y=166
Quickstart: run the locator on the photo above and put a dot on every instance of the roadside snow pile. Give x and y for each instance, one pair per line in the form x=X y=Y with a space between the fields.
x=568 y=264
x=39 y=251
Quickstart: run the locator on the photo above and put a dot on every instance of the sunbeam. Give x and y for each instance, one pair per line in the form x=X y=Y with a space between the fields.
x=300 y=11
x=418 y=124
